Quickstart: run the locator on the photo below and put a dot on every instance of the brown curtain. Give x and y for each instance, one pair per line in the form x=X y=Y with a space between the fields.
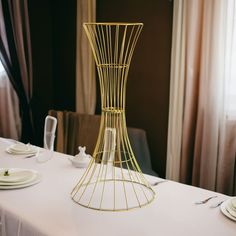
x=15 y=54
x=85 y=64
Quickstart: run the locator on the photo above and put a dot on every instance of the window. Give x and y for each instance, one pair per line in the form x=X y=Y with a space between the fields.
x=3 y=75
x=1 y=67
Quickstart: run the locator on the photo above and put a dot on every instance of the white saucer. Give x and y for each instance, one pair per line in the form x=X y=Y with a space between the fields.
x=225 y=211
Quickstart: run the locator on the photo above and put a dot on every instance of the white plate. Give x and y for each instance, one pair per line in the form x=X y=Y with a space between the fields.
x=34 y=176
x=21 y=149
x=225 y=211
x=15 y=175
x=233 y=202
x=230 y=208
x=10 y=151
x=37 y=178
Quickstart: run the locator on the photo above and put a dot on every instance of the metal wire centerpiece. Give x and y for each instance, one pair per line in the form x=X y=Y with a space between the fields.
x=113 y=180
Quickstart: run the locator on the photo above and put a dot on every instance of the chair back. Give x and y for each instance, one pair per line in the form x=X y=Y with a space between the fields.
x=76 y=129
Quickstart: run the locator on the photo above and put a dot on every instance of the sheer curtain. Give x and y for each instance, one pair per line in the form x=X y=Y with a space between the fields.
x=10 y=123
x=85 y=66
x=202 y=151
x=15 y=55
x=226 y=174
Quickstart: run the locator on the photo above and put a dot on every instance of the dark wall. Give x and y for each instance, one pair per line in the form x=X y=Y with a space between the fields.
x=149 y=77
x=64 y=53
x=53 y=35
x=41 y=43
x=53 y=39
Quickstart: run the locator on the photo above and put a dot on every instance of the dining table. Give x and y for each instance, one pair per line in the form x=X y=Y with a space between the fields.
x=46 y=208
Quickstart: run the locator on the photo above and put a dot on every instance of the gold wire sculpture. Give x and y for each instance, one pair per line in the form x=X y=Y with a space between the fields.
x=113 y=180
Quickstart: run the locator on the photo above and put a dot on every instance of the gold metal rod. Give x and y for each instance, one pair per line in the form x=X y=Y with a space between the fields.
x=113 y=173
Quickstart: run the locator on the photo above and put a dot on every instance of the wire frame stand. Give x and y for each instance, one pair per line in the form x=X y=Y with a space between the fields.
x=113 y=180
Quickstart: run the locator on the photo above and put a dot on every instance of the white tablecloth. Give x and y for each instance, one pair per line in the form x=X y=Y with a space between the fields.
x=47 y=209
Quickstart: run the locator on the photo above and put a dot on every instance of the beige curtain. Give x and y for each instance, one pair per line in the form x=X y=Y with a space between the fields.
x=205 y=142
x=177 y=92
x=10 y=123
x=16 y=57
x=85 y=67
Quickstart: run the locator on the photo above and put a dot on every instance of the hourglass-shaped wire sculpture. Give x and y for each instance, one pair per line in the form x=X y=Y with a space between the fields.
x=113 y=180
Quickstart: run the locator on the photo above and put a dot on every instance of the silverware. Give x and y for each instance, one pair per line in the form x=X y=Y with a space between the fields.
x=216 y=204
x=34 y=154
x=29 y=156
x=205 y=200
x=158 y=182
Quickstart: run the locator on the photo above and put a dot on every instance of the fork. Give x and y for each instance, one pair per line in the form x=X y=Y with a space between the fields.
x=158 y=182
x=29 y=156
x=216 y=204
x=34 y=154
x=205 y=200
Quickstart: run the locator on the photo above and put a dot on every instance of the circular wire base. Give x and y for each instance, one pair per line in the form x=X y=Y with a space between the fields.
x=114 y=195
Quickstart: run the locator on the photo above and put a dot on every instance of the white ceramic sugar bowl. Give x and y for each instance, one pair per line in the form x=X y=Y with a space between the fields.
x=81 y=160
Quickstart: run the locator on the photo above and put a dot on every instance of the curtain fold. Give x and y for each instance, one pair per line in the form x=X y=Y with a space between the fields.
x=207 y=144
x=15 y=54
x=10 y=123
x=177 y=92
x=85 y=66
